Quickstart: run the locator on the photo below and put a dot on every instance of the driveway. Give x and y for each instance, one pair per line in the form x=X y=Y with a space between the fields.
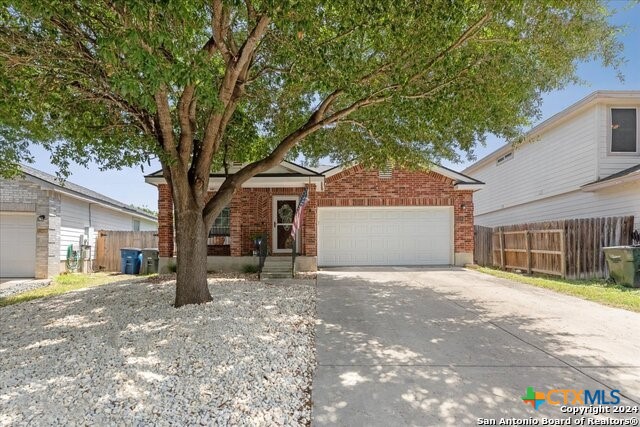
x=402 y=346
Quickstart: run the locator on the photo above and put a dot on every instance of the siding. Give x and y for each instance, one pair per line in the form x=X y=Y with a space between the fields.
x=561 y=160
x=622 y=200
x=75 y=216
x=609 y=164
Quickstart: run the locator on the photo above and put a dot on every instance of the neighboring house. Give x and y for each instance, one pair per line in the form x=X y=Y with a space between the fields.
x=583 y=162
x=354 y=217
x=39 y=219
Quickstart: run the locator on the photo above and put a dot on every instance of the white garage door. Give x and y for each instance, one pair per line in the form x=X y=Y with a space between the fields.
x=17 y=244
x=385 y=236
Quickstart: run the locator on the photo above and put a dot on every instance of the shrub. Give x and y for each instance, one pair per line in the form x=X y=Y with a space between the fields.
x=249 y=268
x=172 y=267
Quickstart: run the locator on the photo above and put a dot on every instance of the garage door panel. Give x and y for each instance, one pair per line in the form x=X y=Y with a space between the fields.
x=385 y=236
x=17 y=244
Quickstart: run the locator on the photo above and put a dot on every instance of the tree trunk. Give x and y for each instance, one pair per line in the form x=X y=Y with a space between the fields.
x=191 y=241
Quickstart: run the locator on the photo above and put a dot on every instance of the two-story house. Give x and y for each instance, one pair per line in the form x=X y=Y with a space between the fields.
x=583 y=162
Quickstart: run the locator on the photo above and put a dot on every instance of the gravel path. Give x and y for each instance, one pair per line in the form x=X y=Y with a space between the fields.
x=18 y=286
x=121 y=355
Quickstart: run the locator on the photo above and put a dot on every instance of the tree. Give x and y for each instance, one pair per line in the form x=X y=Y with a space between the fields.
x=201 y=83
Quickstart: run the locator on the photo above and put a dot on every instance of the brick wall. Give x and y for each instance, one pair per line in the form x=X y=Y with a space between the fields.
x=251 y=208
x=165 y=221
x=251 y=214
x=357 y=186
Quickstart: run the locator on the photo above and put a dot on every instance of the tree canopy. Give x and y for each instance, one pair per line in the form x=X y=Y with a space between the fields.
x=427 y=79
x=201 y=83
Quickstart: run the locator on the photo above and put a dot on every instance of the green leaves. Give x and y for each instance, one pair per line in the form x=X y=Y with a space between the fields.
x=417 y=81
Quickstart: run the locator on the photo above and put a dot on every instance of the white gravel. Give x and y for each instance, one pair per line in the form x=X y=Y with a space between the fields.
x=122 y=355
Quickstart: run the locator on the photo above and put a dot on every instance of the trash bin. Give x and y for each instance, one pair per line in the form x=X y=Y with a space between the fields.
x=130 y=260
x=624 y=264
x=150 y=261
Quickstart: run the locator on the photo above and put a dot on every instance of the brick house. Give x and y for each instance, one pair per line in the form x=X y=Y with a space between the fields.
x=354 y=217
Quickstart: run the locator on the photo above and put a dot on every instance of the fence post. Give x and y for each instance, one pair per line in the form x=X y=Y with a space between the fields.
x=527 y=237
x=501 y=248
x=563 y=254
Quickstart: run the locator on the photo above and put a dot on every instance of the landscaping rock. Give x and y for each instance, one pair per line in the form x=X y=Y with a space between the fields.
x=121 y=354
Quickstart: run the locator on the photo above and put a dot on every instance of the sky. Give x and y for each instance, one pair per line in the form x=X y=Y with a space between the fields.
x=128 y=186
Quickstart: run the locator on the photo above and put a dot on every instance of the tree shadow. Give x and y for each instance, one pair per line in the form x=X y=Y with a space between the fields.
x=421 y=349
x=122 y=353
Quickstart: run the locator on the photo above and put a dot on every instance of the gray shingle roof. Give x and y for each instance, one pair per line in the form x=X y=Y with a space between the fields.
x=83 y=191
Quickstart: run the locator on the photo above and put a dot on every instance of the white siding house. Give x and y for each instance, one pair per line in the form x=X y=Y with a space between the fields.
x=583 y=162
x=40 y=218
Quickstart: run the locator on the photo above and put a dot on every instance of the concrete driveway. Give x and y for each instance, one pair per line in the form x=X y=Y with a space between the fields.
x=402 y=346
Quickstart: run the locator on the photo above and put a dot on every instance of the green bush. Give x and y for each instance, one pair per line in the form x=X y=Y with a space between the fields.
x=249 y=268
x=172 y=267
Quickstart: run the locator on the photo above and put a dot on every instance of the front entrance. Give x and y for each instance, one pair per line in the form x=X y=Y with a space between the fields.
x=284 y=209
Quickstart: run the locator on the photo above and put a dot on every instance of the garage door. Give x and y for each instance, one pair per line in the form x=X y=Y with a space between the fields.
x=385 y=236
x=17 y=244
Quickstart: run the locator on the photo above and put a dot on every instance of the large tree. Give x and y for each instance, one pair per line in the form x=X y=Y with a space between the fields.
x=199 y=83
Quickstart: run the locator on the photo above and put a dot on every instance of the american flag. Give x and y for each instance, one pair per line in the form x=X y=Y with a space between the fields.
x=304 y=199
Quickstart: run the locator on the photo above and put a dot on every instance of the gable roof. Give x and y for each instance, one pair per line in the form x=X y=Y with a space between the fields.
x=289 y=174
x=586 y=102
x=460 y=179
x=78 y=191
x=624 y=176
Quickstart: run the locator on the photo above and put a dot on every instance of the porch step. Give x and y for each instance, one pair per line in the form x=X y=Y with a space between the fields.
x=267 y=275
x=276 y=268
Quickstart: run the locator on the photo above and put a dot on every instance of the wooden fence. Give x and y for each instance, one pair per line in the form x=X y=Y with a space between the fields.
x=566 y=248
x=109 y=243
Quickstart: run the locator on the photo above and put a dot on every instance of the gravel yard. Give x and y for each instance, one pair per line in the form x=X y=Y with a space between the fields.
x=122 y=355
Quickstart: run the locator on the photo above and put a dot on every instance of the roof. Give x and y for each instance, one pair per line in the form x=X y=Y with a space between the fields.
x=459 y=178
x=292 y=174
x=78 y=190
x=556 y=119
x=626 y=175
x=286 y=169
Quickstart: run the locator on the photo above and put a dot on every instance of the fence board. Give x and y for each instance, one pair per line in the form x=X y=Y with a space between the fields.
x=109 y=243
x=483 y=247
x=569 y=248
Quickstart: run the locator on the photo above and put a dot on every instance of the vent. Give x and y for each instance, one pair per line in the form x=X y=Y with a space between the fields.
x=504 y=158
x=386 y=173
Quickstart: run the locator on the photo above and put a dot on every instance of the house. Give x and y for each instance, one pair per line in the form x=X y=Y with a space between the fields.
x=354 y=217
x=583 y=162
x=40 y=218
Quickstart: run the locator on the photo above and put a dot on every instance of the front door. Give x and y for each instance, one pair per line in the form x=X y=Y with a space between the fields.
x=284 y=209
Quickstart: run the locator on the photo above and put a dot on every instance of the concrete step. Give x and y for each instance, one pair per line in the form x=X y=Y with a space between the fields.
x=274 y=275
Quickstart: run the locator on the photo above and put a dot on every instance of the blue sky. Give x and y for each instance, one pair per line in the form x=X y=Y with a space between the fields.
x=128 y=185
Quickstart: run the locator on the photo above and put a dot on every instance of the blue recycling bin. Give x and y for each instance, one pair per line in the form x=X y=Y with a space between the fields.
x=130 y=260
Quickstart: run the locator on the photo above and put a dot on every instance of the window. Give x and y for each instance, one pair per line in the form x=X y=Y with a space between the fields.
x=136 y=225
x=504 y=158
x=221 y=226
x=624 y=130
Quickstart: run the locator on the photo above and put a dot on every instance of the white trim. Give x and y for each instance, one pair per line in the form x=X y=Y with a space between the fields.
x=467 y=187
x=609 y=141
x=258 y=182
x=274 y=223
x=595 y=186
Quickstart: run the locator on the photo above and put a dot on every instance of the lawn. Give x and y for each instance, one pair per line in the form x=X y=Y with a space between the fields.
x=592 y=290
x=66 y=283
